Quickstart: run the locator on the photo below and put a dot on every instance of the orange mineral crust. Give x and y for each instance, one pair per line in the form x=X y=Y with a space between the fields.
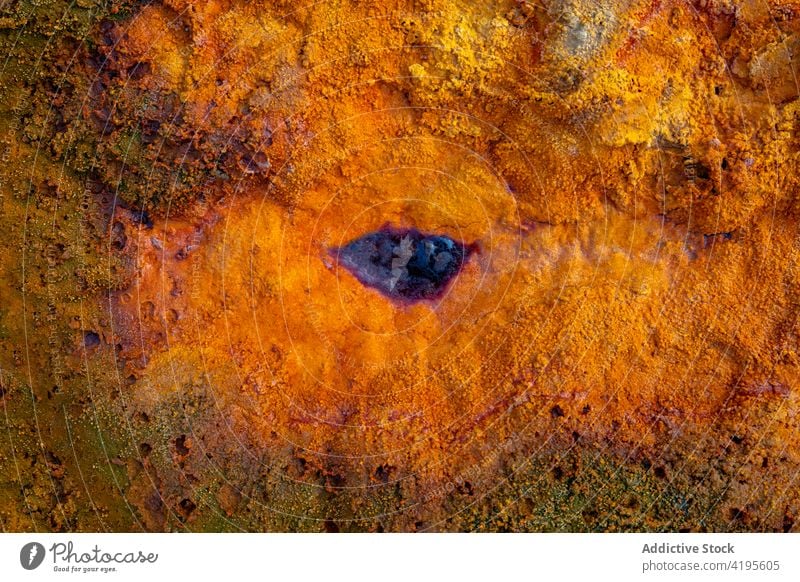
x=634 y=274
x=614 y=346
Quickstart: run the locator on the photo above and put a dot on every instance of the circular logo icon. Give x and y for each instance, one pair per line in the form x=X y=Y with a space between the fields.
x=31 y=555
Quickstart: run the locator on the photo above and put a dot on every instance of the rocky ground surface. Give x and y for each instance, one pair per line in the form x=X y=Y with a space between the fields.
x=616 y=348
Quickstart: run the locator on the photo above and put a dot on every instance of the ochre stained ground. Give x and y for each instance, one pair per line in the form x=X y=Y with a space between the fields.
x=180 y=350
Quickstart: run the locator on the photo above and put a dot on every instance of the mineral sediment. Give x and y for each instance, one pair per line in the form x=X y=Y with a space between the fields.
x=180 y=349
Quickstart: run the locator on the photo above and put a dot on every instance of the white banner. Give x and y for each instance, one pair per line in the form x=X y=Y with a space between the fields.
x=379 y=557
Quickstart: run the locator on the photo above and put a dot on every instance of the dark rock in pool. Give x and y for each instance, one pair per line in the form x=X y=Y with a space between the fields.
x=404 y=264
